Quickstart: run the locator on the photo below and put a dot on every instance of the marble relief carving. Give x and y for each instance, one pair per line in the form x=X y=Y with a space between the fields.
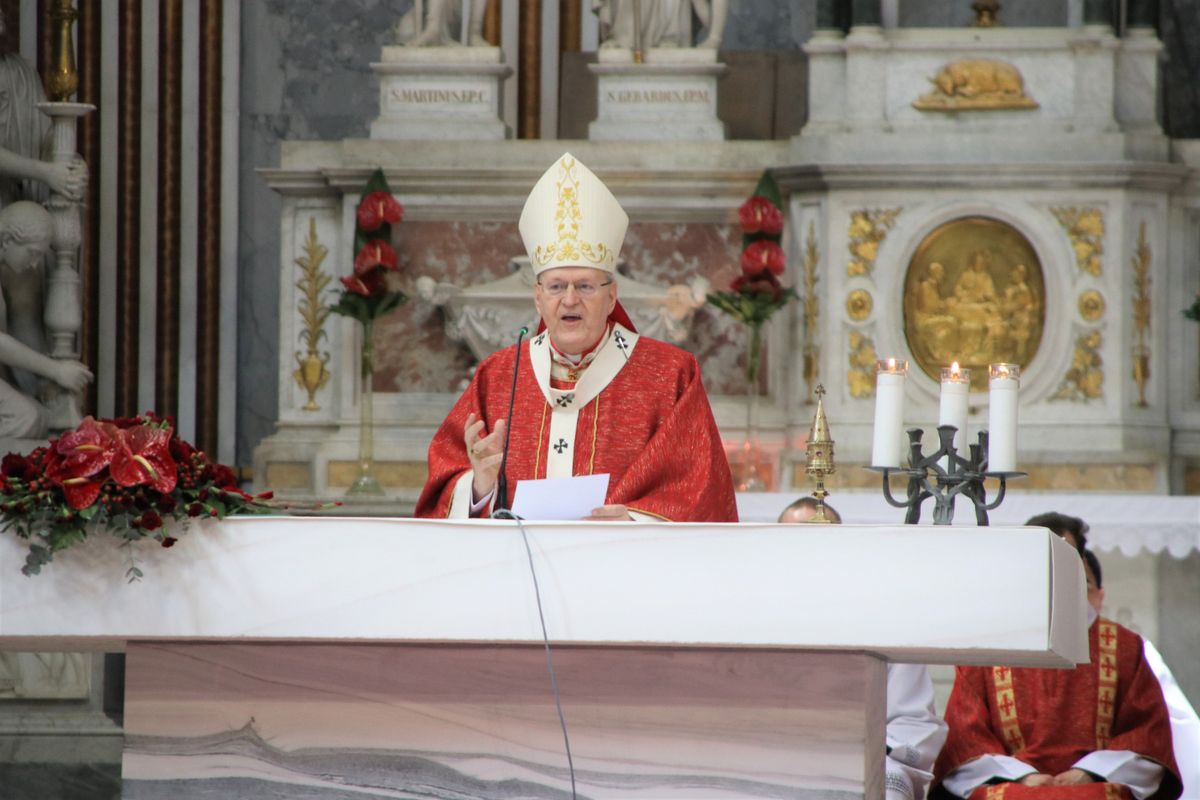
x=415 y=355
x=1084 y=379
x=859 y=305
x=976 y=83
x=860 y=378
x=311 y=373
x=1085 y=227
x=1142 y=258
x=867 y=230
x=974 y=293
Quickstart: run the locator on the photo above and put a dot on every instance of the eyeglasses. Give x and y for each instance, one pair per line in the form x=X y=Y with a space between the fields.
x=582 y=288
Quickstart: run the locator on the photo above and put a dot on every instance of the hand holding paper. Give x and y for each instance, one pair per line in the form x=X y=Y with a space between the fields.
x=560 y=498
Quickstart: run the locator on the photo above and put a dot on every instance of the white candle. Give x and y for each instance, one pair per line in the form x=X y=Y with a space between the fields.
x=952 y=407
x=1003 y=382
x=889 y=412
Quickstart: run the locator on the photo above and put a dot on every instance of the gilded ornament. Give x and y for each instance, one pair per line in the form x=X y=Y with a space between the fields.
x=812 y=308
x=1142 y=258
x=860 y=379
x=311 y=374
x=1091 y=305
x=567 y=216
x=974 y=293
x=976 y=84
x=1085 y=378
x=859 y=304
x=1085 y=227
x=63 y=79
x=867 y=230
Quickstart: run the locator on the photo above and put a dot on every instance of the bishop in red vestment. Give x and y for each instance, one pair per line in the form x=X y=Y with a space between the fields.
x=1103 y=723
x=592 y=396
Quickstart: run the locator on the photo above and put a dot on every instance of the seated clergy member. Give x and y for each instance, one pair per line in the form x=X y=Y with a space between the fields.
x=592 y=396
x=914 y=732
x=1099 y=730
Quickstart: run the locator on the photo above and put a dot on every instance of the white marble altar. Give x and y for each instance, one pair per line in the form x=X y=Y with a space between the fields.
x=332 y=658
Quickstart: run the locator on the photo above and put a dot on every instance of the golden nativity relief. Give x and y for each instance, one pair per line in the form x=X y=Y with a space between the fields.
x=974 y=293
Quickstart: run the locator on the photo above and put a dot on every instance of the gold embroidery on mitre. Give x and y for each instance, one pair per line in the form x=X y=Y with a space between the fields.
x=1006 y=705
x=1107 y=683
x=567 y=218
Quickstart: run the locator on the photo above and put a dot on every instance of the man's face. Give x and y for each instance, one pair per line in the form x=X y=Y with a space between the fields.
x=574 y=319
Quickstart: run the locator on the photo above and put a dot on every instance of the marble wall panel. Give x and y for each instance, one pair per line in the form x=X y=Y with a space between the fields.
x=416 y=356
x=328 y=721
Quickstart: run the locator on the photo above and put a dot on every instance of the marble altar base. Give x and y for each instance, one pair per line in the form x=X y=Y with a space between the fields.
x=342 y=721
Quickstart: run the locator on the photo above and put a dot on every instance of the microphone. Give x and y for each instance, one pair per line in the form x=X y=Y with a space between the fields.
x=501 y=505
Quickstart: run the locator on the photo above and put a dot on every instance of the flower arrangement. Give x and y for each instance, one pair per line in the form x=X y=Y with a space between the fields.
x=366 y=297
x=756 y=293
x=131 y=475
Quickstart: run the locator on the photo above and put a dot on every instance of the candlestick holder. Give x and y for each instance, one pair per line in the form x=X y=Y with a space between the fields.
x=944 y=475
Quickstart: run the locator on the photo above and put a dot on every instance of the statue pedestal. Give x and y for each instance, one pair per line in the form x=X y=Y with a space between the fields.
x=440 y=93
x=672 y=96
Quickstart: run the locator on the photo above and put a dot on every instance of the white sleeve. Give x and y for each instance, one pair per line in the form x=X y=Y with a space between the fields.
x=915 y=733
x=461 y=504
x=1141 y=775
x=1185 y=725
x=973 y=774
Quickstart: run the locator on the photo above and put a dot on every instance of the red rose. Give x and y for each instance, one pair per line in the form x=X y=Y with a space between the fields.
x=151 y=521
x=181 y=450
x=760 y=255
x=760 y=215
x=763 y=282
x=15 y=465
x=375 y=253
x=223 y=476
x=169 y=541
x=378 y=208
x=195 y=510
x=370 y=284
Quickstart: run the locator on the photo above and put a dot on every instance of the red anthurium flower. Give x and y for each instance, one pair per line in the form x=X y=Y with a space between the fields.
x=84 y=451
x=760 y=215
x=144 y=457
x=368 y=284
x=378 y=208
x=375 y=253
x=764 y=282
x=761 y=255
x=81 y=492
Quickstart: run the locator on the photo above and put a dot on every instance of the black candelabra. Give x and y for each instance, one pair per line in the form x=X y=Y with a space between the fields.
x=945 y=475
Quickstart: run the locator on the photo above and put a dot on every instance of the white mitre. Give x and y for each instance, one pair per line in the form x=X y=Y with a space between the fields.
x=571 y=219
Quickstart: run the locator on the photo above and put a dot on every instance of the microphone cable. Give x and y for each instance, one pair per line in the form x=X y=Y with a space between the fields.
x=537 y=593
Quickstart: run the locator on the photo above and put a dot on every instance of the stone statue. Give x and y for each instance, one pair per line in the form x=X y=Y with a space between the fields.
x=442 y=24
x=662 y=23
x=25 y=231
x=24 y=138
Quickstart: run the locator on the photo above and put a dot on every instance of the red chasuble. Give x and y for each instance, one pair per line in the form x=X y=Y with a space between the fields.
x=638 y=413
x=1051 y=718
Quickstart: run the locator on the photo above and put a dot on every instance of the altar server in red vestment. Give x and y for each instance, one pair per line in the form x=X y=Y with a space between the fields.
x=592 y=396
x=1098 y=731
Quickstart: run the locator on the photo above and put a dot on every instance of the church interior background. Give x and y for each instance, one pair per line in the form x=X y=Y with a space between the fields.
x=1027 y=192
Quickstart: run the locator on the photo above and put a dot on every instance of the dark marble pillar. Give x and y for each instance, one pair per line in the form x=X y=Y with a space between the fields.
x=831 y=14
x=865 y=12
x=1142 y=14
x=1098 y=12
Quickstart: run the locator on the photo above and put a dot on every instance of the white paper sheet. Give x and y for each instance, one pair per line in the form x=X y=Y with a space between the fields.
x=560 y=498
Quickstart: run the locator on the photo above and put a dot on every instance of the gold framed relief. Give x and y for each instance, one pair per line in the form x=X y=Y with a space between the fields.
x=974 y=293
